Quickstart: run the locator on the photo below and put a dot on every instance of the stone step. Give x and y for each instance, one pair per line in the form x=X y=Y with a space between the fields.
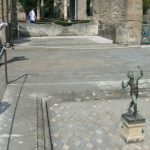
x=67 y=34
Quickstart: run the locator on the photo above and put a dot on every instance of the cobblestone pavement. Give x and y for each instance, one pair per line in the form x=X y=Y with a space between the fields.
x=82 y=116
x=94 y=125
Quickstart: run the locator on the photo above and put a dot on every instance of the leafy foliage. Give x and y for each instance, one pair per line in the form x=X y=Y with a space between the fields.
x=146 y=5
x=28 y=4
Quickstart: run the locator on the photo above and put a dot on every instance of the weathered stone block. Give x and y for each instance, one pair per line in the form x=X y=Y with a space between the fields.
x=129 y=33
x=36 y=30
x=132 y=128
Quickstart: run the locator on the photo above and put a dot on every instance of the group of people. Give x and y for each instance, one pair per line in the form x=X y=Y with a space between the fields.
x=32 y=16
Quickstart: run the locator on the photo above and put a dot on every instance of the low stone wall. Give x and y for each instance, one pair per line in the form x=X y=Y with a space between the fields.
x=36 y=30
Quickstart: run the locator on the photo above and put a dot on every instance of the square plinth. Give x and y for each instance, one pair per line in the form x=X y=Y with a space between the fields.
x=132 y=128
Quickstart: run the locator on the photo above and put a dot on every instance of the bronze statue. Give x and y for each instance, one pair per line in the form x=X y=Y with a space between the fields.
x=133 y=83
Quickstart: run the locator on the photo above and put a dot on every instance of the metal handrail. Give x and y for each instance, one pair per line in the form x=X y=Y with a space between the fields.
x=4 y=52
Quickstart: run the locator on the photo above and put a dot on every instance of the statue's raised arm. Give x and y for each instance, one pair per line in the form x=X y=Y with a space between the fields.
x=141 y=72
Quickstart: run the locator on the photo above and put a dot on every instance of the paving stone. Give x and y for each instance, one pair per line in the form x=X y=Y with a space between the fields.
x=96 y=129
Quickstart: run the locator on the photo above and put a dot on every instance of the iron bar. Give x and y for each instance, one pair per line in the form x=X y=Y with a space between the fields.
x=4 y=52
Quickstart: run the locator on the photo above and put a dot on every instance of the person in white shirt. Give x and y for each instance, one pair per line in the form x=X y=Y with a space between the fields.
x=3 y=25
x=32 y=16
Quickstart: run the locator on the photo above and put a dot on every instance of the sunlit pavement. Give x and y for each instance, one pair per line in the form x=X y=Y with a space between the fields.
x=83 y=95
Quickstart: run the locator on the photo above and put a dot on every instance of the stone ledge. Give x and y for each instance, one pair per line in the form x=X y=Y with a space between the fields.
x=38 y=30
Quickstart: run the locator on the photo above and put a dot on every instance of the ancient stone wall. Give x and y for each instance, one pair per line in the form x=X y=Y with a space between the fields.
x=129 y=32
x=108 y=14
x=120 y=20
x=112 y=11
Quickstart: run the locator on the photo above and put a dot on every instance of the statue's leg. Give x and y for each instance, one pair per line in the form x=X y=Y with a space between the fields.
x=135 y=105
x=130 y=105
x=135 y=110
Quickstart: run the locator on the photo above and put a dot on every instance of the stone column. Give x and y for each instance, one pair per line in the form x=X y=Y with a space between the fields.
x=96 y=10
x=42 y=9
x=55 y=9
x=129 y=32
x=75 y=10
x=134 y=21
x=5 y=10
x=10 y=10
x=38 y=10
x=81 y=10
x=65 y=10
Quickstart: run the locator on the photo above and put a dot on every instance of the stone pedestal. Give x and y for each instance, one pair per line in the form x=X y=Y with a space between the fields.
x=132 y=128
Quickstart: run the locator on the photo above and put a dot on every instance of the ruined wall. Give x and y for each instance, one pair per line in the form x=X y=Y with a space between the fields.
x=108 y=14
x=129 y=32
x=134 y=21
x=119 y=20
x=112 y=11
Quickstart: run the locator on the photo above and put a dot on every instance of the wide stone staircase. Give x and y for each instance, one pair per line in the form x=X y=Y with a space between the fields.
x=68 y=42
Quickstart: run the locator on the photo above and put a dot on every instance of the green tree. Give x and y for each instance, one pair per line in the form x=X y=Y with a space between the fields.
x=146 y=5
x=48 y=7
x=28 y=4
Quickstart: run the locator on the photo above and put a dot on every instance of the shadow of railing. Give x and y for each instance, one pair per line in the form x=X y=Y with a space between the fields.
x=21 y=77
x=14 y=59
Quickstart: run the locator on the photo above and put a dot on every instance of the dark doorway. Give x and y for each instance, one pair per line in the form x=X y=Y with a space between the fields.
x=72 y=9
x=89 y=8
x=49 y=9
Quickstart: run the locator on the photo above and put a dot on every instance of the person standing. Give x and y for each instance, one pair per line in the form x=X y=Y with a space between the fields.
x=32 y=16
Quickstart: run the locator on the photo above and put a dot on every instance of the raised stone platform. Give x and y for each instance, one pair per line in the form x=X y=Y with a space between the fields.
x=132 y=128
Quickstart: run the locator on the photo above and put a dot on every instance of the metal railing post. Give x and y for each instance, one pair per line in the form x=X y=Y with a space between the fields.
x=6 y=72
